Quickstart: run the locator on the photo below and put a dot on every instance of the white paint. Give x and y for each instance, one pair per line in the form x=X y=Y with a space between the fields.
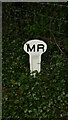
x=35 y=48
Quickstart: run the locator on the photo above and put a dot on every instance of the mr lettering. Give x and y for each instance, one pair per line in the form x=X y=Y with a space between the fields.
x=35 y=48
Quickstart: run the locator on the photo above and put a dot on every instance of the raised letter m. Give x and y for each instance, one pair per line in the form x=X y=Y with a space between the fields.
x=28 y=48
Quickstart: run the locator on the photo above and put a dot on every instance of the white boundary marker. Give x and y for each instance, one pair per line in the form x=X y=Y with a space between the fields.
x=35 y=48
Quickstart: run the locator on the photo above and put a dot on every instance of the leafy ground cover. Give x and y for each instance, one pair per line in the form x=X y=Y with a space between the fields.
x=44 y=96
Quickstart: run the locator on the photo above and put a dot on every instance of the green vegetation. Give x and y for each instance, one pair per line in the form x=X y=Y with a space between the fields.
x=23 y=95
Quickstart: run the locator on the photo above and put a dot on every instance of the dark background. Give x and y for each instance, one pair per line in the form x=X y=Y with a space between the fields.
x=46 y=95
